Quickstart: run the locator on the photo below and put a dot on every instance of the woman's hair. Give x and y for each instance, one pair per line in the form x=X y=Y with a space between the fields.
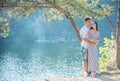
x=96 y=26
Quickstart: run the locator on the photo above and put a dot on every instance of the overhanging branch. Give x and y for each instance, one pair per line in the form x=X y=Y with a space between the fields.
x=109 y=21
x=47 y=5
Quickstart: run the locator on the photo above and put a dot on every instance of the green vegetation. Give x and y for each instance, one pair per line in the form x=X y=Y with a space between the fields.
x=107 y=54
x=56 y=9
x=4 y=27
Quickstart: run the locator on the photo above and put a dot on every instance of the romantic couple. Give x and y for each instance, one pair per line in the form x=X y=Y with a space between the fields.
x=90 y=37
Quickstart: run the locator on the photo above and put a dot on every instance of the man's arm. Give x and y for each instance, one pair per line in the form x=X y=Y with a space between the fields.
x=89 y=41
x=85 y=39
x=96 y=40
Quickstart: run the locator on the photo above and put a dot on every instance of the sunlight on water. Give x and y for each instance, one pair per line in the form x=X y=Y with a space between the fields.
x=36 y=50
x=37 y=66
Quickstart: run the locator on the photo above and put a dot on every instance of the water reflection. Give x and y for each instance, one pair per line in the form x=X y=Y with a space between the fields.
x=42 y=60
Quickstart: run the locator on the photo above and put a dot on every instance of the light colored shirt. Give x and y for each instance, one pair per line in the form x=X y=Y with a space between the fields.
x=84 y=34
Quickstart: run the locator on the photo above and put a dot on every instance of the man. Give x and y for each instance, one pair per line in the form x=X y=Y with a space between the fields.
x=84 y=43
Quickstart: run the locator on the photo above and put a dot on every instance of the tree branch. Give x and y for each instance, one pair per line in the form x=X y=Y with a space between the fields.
x=47 y=5
x=109 y=21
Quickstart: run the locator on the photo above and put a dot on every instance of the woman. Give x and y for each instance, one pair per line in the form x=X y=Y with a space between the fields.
x=93 y=36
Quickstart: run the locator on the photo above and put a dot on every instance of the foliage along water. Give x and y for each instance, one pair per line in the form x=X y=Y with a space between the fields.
x=37 y=49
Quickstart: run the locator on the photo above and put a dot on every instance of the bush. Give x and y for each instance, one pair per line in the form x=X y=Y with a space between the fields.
x=107 y=55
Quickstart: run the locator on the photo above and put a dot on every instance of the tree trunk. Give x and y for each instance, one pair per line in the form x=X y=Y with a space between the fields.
x=118 y=38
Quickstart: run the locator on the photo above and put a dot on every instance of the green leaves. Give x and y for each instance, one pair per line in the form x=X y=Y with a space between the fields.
x=107 y=10
x=105 y=53
x=52 y=14
x=4 y=27
x=26 y=9
x=76 y=8
x=84 y=8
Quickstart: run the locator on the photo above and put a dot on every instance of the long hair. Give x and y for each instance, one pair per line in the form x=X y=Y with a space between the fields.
x=96 y=26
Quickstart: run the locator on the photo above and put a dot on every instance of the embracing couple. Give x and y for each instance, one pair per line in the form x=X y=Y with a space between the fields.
x=90 y=37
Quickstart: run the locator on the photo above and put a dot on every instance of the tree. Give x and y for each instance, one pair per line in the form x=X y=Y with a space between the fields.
x=56 y=9
x=118 y=38
x=70 y=8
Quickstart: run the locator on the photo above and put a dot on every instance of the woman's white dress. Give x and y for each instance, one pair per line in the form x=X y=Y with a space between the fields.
x=93 y=62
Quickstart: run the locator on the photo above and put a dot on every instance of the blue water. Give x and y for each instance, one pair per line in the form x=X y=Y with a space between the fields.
x=37 y=49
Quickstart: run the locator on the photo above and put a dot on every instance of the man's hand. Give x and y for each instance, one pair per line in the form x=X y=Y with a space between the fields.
x=86 y=40
x=91 y=41
x=94 y=41
x=93 y=44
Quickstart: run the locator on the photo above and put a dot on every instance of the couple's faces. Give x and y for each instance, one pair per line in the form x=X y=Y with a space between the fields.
x=94 y=25
x=88 y=22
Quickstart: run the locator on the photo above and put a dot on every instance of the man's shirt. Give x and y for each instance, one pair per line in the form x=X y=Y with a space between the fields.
x=84 y=34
